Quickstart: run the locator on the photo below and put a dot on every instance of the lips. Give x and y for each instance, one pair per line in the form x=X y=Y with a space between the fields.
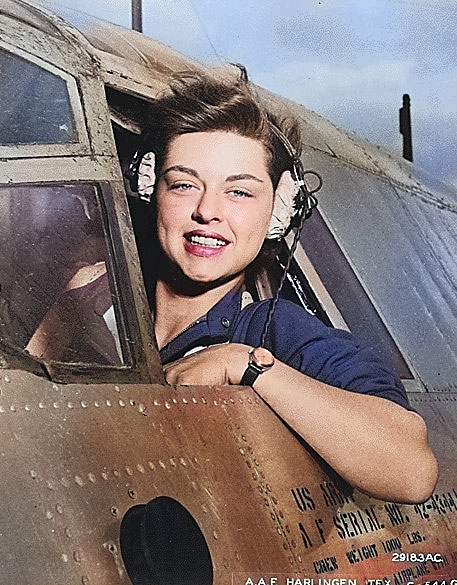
x=204 y=243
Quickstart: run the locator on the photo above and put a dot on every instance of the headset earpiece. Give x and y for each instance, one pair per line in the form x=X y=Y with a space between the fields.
x=300 y=197
x=132 y=174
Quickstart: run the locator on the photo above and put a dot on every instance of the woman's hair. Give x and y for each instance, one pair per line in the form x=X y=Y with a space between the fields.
x=202 y=104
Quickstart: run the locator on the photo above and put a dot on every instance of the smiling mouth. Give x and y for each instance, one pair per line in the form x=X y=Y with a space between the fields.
x=206 y=241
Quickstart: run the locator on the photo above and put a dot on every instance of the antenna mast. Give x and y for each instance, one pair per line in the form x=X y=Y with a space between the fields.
x=137 y=16
x=405 y=128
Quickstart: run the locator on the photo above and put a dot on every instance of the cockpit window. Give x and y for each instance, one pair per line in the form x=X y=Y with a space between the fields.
x=35 y=104
x=55 y=295
x=348 y=294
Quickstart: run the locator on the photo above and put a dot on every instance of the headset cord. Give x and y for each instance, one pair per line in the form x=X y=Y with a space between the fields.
x=307 y=202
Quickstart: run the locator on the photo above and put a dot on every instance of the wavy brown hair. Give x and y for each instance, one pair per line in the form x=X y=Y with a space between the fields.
x=195 y=103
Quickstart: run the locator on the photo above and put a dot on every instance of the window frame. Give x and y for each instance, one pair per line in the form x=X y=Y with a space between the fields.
x=137 y=366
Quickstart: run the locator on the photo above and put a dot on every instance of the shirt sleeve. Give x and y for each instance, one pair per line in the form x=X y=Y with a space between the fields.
x=330 y=355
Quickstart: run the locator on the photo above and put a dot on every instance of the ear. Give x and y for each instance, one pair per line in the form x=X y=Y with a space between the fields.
x=283 y=207
x=146 y=176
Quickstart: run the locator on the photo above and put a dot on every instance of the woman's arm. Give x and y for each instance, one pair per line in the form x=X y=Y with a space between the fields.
x=374 y=444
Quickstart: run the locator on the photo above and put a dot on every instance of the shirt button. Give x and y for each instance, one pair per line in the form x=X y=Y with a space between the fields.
x=225 y=322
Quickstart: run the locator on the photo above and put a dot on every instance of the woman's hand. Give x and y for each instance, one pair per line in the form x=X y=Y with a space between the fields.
x=216 y=365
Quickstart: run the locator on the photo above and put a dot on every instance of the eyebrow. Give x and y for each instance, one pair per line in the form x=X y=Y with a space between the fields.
x=182 y=169
x=229 y=179
x=243 y=177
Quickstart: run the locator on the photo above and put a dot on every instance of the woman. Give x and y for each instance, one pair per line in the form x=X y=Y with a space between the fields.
x=214 y=163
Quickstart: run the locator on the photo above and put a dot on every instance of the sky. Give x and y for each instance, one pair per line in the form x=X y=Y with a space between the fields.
x=350 y=61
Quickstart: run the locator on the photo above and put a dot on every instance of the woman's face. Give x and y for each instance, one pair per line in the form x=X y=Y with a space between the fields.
x=214 y=204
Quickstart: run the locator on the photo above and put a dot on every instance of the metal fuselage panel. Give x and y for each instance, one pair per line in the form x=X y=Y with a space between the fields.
x=79 y=457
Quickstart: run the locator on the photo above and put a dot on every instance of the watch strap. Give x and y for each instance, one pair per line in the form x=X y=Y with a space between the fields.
x=250 y=375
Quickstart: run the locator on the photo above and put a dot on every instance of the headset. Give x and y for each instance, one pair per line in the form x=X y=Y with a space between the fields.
x=304 y=203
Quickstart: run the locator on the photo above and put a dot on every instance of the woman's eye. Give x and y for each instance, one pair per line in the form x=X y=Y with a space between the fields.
x=181 y=186
x=239 y=193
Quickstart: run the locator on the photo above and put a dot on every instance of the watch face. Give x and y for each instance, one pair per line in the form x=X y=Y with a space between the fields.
x=262 y=357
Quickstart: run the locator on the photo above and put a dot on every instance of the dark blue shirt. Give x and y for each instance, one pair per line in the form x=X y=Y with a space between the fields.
x=296 y=338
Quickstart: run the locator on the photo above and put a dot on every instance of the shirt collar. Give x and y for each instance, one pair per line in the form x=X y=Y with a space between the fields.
x=214 y=327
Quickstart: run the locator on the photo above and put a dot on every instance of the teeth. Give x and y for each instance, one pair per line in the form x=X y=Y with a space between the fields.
x=203 y=241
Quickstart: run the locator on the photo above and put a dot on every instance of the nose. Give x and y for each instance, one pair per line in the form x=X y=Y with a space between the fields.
x=209 y=207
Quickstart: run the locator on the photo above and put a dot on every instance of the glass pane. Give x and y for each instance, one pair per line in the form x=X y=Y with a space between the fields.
x=55 y=296
x=35 y=106
x=348 y=294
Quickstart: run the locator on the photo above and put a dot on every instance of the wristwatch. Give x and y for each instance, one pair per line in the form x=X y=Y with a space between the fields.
x=260 y=360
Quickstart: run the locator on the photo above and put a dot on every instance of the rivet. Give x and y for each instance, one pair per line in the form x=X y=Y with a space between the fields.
x=112 y=548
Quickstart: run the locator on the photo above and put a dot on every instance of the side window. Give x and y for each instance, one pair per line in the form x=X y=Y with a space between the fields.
x=35 y=104
x=347 y=293
x=55 y=298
